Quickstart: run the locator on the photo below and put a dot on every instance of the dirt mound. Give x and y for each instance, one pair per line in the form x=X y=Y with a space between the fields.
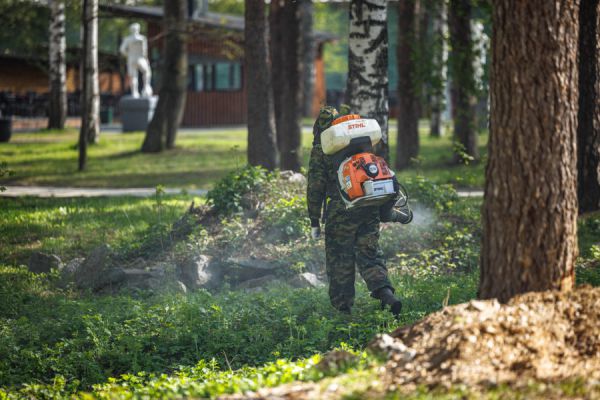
x=548 y=336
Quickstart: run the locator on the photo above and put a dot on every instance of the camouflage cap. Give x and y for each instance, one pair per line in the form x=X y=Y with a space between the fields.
x=344 y=109
x=326 y=116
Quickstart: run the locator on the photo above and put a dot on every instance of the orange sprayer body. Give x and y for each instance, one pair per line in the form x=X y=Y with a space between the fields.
x=360 y=168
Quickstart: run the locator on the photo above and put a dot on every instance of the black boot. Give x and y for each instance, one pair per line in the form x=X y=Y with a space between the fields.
x=387 y=298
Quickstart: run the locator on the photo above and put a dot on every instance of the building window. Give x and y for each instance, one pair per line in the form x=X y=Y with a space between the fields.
x=222 y=76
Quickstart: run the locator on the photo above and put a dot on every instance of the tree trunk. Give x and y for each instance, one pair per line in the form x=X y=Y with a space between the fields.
x=162 y=130
x=262 y=149
x=588 y=131
x=408 y=100
x=309 y=51
x=57 y=107
x=367 y=86
x=463 y=82
x=439 y=55
x=277 y=72
x=530 y=207
x=90 y=99
x=91 y=91
x=291 y=101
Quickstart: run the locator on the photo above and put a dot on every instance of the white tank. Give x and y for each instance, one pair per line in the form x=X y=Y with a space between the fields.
x=337 y=137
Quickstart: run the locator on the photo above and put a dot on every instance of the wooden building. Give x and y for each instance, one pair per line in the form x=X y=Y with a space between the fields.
x=216 y=79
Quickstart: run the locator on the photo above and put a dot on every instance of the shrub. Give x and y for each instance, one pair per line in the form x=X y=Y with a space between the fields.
x=238 y=190
x=439 y=197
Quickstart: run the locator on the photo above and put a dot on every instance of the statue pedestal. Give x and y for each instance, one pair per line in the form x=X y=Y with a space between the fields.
x=136 y=113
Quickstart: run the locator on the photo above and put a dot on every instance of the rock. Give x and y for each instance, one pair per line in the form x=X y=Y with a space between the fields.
x=96 y=271
x=42 y=262
x=306 y=280
x=293 y=177
x=240 y=270
x=68 y=272
x=258 y=283
x=200 y=272
x=180 y=287
x=140 y=278
x=385 y=345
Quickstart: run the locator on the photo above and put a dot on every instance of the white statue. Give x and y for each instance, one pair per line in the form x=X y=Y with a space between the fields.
x=135 y=48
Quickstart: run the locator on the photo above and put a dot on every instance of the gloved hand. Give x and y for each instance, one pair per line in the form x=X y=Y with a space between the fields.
x=315 y=233
x=315 y=229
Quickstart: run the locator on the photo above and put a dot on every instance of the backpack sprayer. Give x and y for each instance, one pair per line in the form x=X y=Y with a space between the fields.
x=363 y=178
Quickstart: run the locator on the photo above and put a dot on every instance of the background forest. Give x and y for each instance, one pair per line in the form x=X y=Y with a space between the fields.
x=178 y=261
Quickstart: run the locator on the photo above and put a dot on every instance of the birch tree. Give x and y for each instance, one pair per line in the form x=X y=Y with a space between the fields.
x=57 y=107
x=530 y=207
x=367 y=85
x=90 y=110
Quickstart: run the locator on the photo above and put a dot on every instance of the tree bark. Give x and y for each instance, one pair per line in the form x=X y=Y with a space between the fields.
x=463 y=82
x=91 y=90
x=588 y=131
x=162 y=130
x=262 y=149
x=309 y=51
x=292 y=89
x=439 y=54
x=277 y=72
x=90 y=99
x=530 y=206
x=408 y=100
x=367 y=85
x=57 y=107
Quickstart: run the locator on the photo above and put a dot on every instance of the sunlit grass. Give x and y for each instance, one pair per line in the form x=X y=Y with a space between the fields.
x=200 y=158
x=69 y=227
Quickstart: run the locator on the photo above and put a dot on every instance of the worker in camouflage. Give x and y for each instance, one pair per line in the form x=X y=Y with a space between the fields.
x=351 y=236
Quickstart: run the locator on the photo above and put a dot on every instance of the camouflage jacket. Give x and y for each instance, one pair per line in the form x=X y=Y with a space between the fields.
x=321 y=179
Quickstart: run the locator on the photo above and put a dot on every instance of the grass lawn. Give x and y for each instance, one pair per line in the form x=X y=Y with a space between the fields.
x=201 y=157
x=69 y=227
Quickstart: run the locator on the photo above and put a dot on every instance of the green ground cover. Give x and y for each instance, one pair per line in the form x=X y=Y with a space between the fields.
x=56 y=341
x=71 y=226
x=201 y=157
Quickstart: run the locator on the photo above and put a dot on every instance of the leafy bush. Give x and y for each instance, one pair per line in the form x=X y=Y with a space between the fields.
x=288 y=216
x=439 y=197
x=238 y=189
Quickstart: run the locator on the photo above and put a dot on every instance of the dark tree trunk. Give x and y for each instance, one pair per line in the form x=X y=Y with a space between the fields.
x=367 y=85
x=309 y=51
x=423 y=67
x=57 y=107
x=262 y=149
x=463 y=79
x=588 y=131
x=83 y=131
x=162 y=130
x=90 y=110
x=291 y=96
x=277 y=72
x=438 y=65
x=408 y=101
x=530 y=207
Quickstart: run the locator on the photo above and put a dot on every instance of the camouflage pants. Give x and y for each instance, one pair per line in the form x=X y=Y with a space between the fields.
x=352 y=239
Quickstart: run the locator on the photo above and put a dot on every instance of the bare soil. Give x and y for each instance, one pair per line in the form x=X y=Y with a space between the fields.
x=546 y=336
